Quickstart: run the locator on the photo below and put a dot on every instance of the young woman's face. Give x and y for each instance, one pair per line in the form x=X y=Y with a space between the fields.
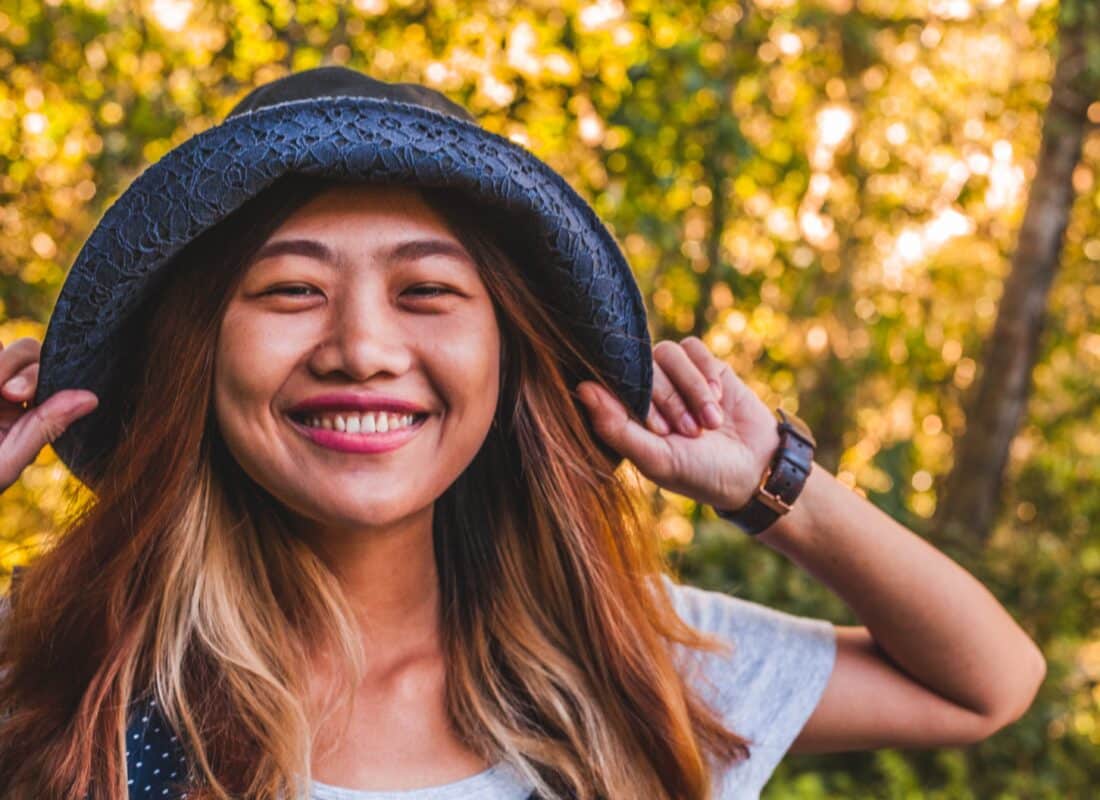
x=362 y=293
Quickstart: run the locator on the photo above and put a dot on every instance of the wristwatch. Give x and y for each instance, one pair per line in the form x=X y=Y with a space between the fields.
x=782 y=481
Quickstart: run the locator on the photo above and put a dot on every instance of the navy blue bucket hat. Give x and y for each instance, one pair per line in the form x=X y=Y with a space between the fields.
x=339 y=123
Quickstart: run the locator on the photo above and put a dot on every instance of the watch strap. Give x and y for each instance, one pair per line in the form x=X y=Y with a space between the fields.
x=782 y=481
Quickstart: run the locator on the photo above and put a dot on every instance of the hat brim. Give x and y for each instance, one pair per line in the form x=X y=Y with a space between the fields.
x=202 y=181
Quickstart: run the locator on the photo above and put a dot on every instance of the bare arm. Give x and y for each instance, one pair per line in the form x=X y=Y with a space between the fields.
x=940 y=661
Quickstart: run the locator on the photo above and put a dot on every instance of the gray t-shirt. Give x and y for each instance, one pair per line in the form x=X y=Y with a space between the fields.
x=765 y=690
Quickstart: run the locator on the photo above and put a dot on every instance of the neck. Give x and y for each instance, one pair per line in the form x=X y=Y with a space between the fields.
x=389 y=576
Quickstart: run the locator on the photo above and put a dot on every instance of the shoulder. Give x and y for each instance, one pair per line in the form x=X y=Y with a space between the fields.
x=768 y=684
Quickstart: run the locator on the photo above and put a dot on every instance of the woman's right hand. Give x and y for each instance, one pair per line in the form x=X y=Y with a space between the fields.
x=25 y=430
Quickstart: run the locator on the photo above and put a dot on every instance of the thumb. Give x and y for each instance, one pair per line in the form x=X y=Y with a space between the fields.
x=40 y=425
x=611 y=420
x=604 y=411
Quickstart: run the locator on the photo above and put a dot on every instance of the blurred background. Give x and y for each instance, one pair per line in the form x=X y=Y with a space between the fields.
x=885 y=214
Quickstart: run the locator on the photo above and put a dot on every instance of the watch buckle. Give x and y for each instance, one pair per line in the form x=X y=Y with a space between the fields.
x=772 y=501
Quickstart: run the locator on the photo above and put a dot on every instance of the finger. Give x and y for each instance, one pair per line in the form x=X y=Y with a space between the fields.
x=40 y=425
x=707 y=363
x=612 y=423
x=656 y=421
x=735 y=392
x=709 y=366
x=21 y=386
x=690 y=383
x=669 y=402
x=18 y=355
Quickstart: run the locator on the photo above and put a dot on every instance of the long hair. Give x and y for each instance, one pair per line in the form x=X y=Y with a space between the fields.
x=185 y=582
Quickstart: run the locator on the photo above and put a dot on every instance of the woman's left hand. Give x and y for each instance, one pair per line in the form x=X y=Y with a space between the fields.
x=707 y=435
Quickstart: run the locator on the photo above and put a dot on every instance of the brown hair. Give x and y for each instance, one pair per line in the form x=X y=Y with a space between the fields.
x=185 y=582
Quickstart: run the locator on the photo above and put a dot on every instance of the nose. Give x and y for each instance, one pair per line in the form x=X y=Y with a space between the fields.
x=364 y=337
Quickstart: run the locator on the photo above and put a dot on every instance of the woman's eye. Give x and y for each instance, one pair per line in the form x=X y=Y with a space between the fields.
x=430 y=291
x=294 y=291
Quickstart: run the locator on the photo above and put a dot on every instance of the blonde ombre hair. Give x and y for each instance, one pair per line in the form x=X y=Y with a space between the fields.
x=184 y=580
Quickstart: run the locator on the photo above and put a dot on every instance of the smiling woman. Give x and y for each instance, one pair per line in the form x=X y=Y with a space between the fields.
x=280 y=601
x=359 y=529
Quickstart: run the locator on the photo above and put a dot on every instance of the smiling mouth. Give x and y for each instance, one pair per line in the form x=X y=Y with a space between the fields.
x=362 y=425
x=357 y=442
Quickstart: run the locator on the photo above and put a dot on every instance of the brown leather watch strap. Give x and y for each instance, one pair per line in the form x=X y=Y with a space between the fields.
x=782 y=481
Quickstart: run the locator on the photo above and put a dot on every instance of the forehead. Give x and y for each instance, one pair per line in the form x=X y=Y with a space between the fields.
x=394 y=208
x=347 y=221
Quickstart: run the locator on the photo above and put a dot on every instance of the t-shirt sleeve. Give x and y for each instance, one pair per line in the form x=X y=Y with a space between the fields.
x=767 y=687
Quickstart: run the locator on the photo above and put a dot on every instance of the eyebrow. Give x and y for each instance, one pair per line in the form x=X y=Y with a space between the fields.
x=409 y=250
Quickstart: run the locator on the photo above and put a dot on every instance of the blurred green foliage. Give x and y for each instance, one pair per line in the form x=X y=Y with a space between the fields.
x=826 y=192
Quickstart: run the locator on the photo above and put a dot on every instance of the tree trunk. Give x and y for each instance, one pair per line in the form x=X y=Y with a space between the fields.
x=971 y=493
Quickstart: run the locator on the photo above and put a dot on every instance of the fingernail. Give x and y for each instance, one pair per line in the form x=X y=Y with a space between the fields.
x=712 y=415
x=16 y=384
x=687 y=422
x=661 y=426
x=714 y=387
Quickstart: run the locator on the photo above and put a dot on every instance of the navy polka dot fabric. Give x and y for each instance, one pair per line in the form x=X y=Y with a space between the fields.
x=156 y=766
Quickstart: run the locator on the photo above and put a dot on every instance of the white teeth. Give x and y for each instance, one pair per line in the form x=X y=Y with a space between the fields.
x=372 y=422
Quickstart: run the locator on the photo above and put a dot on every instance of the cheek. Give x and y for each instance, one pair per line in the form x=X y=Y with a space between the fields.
x=246 y=370
x=231 y=378
x=472 y=366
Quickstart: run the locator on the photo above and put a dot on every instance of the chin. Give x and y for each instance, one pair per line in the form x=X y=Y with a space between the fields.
x=369 y=513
